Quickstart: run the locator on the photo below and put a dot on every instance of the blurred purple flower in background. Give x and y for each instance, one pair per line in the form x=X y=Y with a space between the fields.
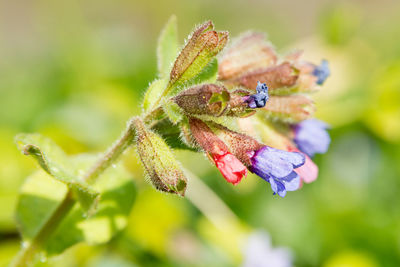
x=322 y=72
x=311 y=137
x=260 y=253
x=277 y=167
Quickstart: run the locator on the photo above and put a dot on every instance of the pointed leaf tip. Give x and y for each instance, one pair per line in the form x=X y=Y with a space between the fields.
x=56 y=163
x=167 y=47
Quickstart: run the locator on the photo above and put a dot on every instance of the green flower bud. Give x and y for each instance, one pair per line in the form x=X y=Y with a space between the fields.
x=200 y=49
x=160 y=164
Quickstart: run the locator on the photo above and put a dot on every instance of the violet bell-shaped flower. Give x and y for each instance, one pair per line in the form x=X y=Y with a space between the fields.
x=277 y=167
x=311 y=137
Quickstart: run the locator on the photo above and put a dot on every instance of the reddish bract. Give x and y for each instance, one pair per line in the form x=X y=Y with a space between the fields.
x=230 y=167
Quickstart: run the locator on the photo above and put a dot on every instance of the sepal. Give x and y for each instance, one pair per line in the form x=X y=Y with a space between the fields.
x=160 y=165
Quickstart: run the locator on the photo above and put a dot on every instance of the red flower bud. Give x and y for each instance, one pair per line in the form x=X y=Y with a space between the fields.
x=230 y=167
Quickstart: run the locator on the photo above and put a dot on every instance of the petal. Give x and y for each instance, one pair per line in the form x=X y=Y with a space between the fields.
x=277 y=187
x=274 y=185
x=311 y=137
x=308 y=172
x=260 y=173
x=291 y=182
x=295 y=158
x=317 y=123
x=271 y=164
x=230 y=167
x=281 y=189
x=265 y=163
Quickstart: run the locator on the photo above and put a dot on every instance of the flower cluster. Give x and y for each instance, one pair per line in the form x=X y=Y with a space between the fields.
x=248 y=110
x=266 y=97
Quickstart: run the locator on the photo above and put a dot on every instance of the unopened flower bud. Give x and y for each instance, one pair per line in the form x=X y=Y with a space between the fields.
x=201 y=47
x=310 y=75
x=289 y=109
x=207 y=99
x=239 y=144
x=292 y=75
x=248 y=53
x=277 y=77
x=229 y=166
x=160 y=164
x=215 y=100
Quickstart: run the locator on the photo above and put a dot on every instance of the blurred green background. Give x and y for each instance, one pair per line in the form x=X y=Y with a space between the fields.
x=76 y=71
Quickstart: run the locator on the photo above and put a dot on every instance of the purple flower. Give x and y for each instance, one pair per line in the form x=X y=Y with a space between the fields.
x=311 y=137
x=259 y=99
x=322 y=72
x=277 y=167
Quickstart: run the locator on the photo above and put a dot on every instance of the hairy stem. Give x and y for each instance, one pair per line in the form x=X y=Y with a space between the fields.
x=28 y=254
x=127 y=138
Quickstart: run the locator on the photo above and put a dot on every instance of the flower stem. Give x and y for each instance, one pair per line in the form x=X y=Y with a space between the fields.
x=28 y=254
x=127 y=138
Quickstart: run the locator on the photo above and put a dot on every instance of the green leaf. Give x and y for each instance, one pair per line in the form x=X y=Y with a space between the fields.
x=41 y=195
x=56 y=163
x=173 y=111
x=167 y=47
x=153 y=94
